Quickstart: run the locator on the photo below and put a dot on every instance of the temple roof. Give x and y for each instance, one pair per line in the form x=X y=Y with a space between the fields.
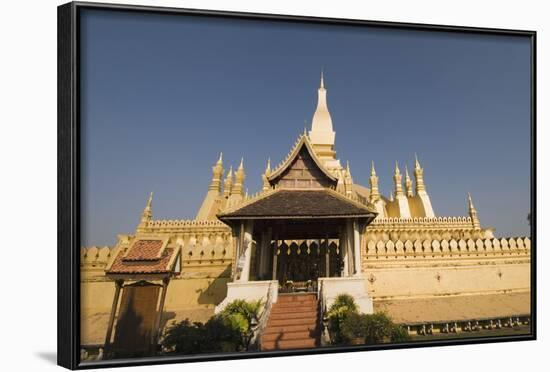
x=300 y=203
x=145 y=250
x=145 y=256
x=302 y=142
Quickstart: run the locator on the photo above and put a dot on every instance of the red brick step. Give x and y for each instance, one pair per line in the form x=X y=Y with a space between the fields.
x=288 y=344
x=292 y=323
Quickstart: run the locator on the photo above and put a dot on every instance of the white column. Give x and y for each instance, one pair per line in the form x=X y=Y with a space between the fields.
x=247 y=246
x=327 y=256
x=349 y=246
x=343 y=247
x=357 y=247
x=275 y=248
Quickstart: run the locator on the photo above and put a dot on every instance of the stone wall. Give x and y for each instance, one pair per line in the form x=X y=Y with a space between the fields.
x=392 y=270
x=446 y=267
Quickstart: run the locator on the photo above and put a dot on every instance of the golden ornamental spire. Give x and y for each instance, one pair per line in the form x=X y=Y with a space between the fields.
x=419 y=176
x=217 y=174
x=268 y=167
x=228 y=184
x=408 y=183
x=348 y=181
x=321 y=133
x=238 y=186
x=473 y=213
x=374 y=193
x=147 y=213
x=265 y=182
x=397 y=180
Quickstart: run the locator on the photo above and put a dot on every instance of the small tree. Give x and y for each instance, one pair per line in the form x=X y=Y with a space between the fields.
x=344 y=305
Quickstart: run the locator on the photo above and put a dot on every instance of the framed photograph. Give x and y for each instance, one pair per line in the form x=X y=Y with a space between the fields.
x=208 y=210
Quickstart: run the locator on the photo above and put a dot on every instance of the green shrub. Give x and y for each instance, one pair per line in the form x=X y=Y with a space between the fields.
x=353 y=327
x=243 y=312
x=225 y=332
x=379 y=326
x=399 y=334
x=344 y=305
x=216 y=335
x=371 y=328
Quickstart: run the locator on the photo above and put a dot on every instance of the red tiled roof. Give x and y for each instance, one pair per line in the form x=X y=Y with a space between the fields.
x=144 y=250
x=156 y=266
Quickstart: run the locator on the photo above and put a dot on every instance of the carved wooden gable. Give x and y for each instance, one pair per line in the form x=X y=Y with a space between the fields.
x=304 y=173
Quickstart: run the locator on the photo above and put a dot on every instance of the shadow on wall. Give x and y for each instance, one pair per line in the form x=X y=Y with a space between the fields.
x=216 y=290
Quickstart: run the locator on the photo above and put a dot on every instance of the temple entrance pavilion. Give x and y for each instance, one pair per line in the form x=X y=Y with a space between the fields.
x=304 y=227
x=298 y=235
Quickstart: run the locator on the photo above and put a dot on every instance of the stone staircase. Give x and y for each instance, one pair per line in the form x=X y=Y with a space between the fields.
x=293 y=323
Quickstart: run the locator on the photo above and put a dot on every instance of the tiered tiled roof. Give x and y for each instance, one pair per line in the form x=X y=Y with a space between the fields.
x=301 y=204
x=144 y=250
x=145 y=256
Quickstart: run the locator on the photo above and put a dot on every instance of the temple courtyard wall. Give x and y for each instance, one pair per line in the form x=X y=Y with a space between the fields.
x=420 y=281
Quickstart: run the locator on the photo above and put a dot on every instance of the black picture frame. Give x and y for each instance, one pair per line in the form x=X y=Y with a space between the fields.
x=69 y=136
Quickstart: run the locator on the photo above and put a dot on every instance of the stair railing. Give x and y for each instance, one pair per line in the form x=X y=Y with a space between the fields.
x=322 y=322
x=255 y=342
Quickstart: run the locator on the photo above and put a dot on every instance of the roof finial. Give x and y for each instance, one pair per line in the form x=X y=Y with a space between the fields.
x=470 y=202
x=374 y=194
x=322 y=78
x=416 y=162
x=147 y=214
x=473 y=213
x=347 y=166
x=408 y=182
x=241 y=165
x=220 y=160
x=268 y=167
x=397 y=172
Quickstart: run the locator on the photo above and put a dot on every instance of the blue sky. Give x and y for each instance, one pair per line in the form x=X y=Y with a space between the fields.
x=162 y=95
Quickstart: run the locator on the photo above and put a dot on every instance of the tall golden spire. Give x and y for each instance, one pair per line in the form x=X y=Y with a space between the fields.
x=228 y=183
x=374 y=193
x=418 y=175
x=147 y=214
x=238 y=186
x=408 y=183
x=217 y=174
x=473 y=213
x=321 y=125
x=397 y=181
x=348 y=181
x=266 y=186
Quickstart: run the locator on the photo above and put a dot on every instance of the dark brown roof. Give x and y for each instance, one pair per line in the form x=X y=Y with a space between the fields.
x=144 y=250
x=301 y=204
x=158 y=266
x=302 y=143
